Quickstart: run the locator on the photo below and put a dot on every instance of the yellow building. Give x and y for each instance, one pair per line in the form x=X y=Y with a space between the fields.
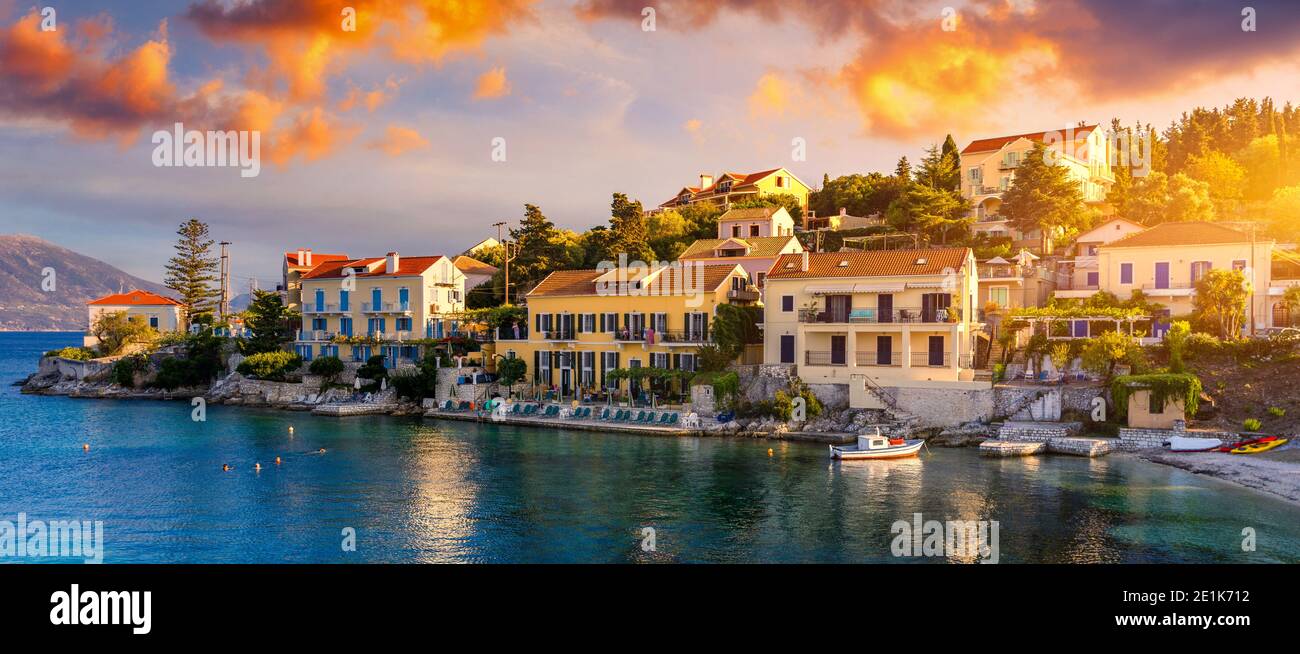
x=729 y=188
x=161 y=313
x=989 y=165
x=583 y=323
x=295 y=265
x=1023 y=281
x=357 y=308
x=892 y=318
x=1166 y=261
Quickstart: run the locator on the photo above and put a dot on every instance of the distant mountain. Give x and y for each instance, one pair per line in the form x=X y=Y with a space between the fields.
x=24 y=306
x=240 y=302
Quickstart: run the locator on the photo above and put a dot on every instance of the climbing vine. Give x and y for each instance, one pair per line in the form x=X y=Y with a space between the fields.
x=1163 y=386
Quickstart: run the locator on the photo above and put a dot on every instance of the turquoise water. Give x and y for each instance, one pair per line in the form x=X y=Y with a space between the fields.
x=429 y=491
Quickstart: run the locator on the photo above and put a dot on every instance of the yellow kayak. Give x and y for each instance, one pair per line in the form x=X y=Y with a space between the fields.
x=1254 y=448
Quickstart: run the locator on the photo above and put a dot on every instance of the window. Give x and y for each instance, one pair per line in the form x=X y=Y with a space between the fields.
x=761 y=277
x=608 y=322
x=318 y=324
x=735 y=231
x=659 y=322
x=687 y=362
x=403 y=324
x=1126 y=273
x=659 y=360
x=1094 y=279
x=780 y=181
x=787 y=303
x=974 y=176
x=588 y=377
x=345 y=326
x=1239 y=264
x=753 y=230
x=153 y=321
x=1199 y=268
x=343 y=300
x=1000 y=295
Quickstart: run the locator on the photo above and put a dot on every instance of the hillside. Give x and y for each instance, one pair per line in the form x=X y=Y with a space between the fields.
x=25 y=307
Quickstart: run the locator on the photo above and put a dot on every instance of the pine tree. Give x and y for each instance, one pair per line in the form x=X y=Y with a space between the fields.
x=267 y=323
x=539 y=249
x=193 y=269
x=628 y=232
x=1043 y=196
x=903 y=170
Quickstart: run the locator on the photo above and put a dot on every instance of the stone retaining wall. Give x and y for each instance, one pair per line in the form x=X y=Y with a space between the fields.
x=1131 y=439
x=1037 y=432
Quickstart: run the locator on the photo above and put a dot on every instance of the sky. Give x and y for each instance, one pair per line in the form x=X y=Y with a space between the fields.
x=389 y=136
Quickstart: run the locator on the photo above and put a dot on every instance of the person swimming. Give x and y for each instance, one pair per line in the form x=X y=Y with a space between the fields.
x=225 y=467
x=257 y=467
x=321 y=451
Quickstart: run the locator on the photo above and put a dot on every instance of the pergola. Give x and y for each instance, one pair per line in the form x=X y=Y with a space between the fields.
x=1071 y=335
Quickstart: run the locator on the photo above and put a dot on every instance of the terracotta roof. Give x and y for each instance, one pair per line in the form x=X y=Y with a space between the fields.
x=583 y=282
x=883 y=263
x=763 y=246
x=136 y=298
x=749 y=214
x=1167 y=234
x=291 y=258
x=406 y=267
x=984 y=145
x=739 y=180
x=472 y=266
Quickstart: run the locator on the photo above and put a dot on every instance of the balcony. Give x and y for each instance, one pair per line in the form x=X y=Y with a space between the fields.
x=559 y=335
x=314 y=335
x=312 y=307
x=977 y=189
x=667 y=337
x=823 y=358
x=508 y=334
x=870 y=358
x=742 y=295
x=386 y=307
x=928 y=360
x=875 y=316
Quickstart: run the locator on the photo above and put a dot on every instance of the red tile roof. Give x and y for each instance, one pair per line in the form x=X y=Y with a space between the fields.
x=760 y=246
x=739 y=180
x=406 y=267
x=135 y=298
x=1167 y=234
x=291 y=258
x=883 y=263
x=472 y=266
x=985 y=145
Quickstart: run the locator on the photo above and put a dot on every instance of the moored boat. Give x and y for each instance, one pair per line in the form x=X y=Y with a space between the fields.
x=875 y=446
x=1186 y=444
x=1254 y=448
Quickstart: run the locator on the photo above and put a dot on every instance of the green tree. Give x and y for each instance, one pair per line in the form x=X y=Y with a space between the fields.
x=735 y=326
x=1283 y=212
x=267 y=323
x=1220 y=300
x=903 y=171
x=327 y=367
x=1225 y=180
x=935 y=212
x=540 y=250
x=511 y=371
x=116 y=330
x=860 y=195
x=787 y=200
x=1042 y=196
x=193 y=269
x=627 y=230
x=1176 y=343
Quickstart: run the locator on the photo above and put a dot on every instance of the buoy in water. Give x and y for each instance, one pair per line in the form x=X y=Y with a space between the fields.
x=290 y=429
x=85 y=447
x=769 y=451
x=277 y=460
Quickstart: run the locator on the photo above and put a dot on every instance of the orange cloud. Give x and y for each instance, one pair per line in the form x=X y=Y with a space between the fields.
x=376 y=97
x=313 y=135
x=398 y=140
x=492 y=84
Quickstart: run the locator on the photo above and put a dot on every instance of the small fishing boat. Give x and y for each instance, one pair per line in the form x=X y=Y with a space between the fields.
x=1252 y=441
x=1185 y=444
x=875 y=446
x=1255 y=448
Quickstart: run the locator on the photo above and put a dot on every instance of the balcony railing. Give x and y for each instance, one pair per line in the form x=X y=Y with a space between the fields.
x=900 y=315
x=823 y=358
x=1169 y=286
x=742 y=294
x=670 y=336
x=990 y=218
x=386 y=307
x=315 y=335
x=559 y=335
x=925 y=359
x=312 y=307
x=869 y=358
x=508 y=334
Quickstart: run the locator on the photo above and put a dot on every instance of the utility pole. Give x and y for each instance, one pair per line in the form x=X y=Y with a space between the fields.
x=224 y=308
x=506 y=256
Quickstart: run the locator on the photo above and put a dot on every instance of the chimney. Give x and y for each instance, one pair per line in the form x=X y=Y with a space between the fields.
x=308 y=262
x=391 y=263
x=844 y=211
x=803 y=265
x=301 y=256
x=705 y=181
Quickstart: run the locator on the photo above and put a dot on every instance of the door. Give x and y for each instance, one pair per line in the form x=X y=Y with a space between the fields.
x=837 y=350
x=885 y=307
x=884 y=350
x=838 y=306
x=936 y=350
x=404 y=299
x=1080 y=329
x=787 y=348
x=934 y=306
x=1162 y=274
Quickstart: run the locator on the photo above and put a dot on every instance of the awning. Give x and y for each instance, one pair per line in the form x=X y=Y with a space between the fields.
x=925 y=284
x=878 y=288
x=822 y=289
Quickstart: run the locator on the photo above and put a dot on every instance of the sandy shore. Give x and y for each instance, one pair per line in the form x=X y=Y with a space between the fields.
x=1276 y=473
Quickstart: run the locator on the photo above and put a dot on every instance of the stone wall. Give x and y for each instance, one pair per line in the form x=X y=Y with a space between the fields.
x=944 y=407
x=1037 y=432
x=832 y=396
x=1142 y=439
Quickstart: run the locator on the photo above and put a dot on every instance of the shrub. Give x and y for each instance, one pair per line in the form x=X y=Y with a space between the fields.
x=126 y=367
x=271 y=366
x=1252 y=424
x=511 y=371
x=374 y=369
x=999 y=372
x=1276 y=411
x=1176 y=342
x=782 y=407
x=72 y=353
x=116 y=331
x=327 y=367
x=417 y=382
x=711 y=358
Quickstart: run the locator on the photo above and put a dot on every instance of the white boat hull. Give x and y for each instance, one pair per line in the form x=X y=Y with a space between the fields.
x=1185 y=444
x=851 y=452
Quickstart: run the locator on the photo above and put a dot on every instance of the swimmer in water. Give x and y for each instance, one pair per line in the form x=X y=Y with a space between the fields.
x=257 y=467
x=277 y=460
x=321 y=451
x=225 y=467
